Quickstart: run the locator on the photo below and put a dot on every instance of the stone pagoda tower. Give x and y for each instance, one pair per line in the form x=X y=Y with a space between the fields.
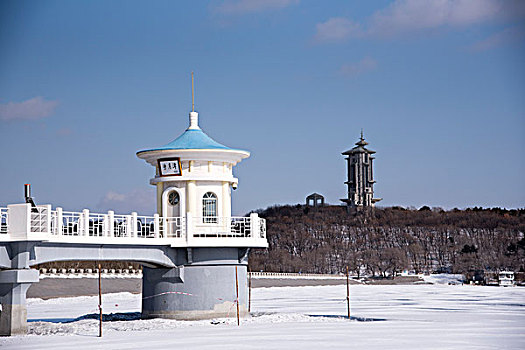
x=360 y=176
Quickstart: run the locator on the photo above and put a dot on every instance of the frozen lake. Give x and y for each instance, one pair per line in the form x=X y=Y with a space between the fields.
x=393 y=317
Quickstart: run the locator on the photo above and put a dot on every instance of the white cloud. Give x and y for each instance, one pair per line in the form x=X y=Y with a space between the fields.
x=408 y=16
x=32 y=109
x=415 y=16
x=367 y=64
x=141 y=201
x=241 y=7
x=337 y=29
x=504 y=37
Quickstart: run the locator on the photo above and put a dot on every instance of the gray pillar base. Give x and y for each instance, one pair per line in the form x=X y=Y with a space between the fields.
x=13 y=288
x=13 y=320
x=194 y=292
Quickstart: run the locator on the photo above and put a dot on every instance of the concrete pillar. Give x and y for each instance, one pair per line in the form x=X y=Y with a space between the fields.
x=202 y=289
x=13 y=288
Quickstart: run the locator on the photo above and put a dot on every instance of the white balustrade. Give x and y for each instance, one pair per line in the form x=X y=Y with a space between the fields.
x=107 y=228
x=218 y=226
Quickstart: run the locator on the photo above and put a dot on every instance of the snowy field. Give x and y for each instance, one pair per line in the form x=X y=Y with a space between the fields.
x=391 y=317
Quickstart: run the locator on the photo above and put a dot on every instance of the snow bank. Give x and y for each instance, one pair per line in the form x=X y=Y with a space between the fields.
x=443 y=278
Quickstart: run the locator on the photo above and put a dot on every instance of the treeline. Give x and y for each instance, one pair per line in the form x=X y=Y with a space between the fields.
x=387 y=240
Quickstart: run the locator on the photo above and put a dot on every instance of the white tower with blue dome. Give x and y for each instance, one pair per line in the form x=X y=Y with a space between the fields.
x=194 y=176
x=194 y=180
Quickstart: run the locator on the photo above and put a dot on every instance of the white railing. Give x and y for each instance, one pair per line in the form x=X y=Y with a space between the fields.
x=276 y=275
x=147 y=227
x=217 y=226
x=173 y=227
x=4 y=220
x=69 y=224
x=20 y=221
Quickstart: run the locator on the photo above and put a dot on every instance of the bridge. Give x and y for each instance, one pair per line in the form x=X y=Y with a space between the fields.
x=193 y=246
x=31 y=236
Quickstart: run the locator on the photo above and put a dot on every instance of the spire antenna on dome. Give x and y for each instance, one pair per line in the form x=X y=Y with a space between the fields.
x=362 y=138
x=194 y=116
x=192 y=94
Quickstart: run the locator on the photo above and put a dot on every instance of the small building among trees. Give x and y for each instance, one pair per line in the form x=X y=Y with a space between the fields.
x=315 y=200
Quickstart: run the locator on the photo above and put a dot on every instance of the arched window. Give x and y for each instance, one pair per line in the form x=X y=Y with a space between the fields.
x=173 y=198
x=209 y=208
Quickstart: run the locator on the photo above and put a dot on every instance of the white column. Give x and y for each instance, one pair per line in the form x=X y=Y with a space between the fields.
x=128 y=226
x=226 y=207
x=156 y=226
x=191 y=207
x=85 y=222
x=134 y=225
x=111 y=224
x=160 y=189
x=59 y=224
x=105 y=226
x=19 y=220
x=226 y=203
x=189 y=227
x=254 y=225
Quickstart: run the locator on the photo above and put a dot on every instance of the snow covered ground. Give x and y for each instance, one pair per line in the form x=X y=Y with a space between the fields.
x=392 y=317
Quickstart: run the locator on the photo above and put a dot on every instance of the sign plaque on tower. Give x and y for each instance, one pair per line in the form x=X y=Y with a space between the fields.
x=169 y=167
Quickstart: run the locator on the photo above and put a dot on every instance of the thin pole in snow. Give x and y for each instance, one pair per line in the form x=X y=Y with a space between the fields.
x=237 y=293
x=100 y=299
x=347 y=293
x=249 y=289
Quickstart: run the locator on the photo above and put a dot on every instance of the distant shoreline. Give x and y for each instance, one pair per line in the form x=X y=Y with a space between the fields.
x=49 y=287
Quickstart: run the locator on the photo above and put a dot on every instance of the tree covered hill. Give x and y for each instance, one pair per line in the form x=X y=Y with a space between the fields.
x=327 y=239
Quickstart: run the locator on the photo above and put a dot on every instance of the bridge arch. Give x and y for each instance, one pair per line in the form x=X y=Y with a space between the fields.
x=44 y=252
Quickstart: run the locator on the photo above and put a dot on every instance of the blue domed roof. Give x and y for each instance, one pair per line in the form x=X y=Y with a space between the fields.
x=190 y=139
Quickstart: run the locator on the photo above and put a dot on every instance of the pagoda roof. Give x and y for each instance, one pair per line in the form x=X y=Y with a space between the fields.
x=192 y=139
x=359 y=147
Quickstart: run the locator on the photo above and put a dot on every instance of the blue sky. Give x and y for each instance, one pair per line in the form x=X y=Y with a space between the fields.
x=437 y=86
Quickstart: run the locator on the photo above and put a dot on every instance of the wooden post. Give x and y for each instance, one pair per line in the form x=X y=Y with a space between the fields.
x=347 y=293
x=249 y=290
x=237 y=293
x=100 y=299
